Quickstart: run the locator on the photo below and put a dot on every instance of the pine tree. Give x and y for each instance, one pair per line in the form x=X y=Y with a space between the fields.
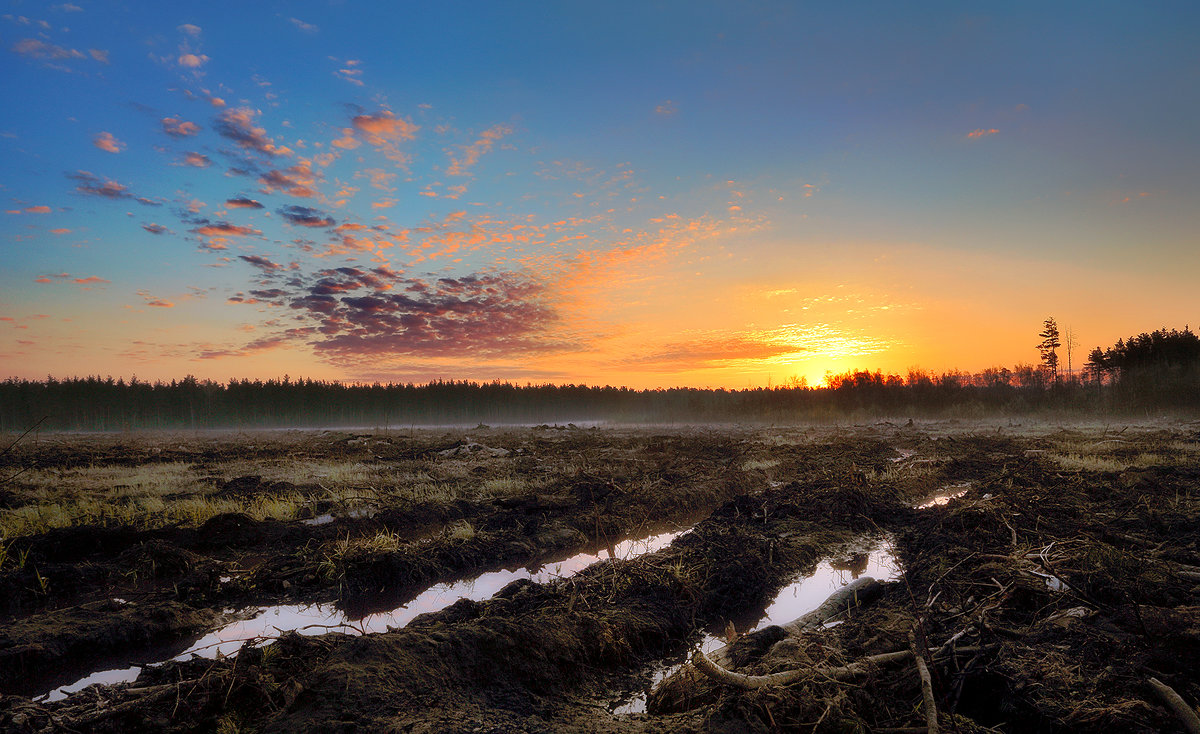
x=1050 y=343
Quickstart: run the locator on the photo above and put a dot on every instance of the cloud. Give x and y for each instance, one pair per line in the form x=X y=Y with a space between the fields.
x=177 y=128
x=350 y=71
x=68 y=8
x=32 y=48
x=60 y=230
x=982 y=133
x=666 y=109
x=192 y=61
x=351 y=314
x=297 y=180
x=459 y=166
x=53 y=56
x=196 y=159
x=109 y=144
x=188 y=28
x=152 y=300
x=155 y=228
x=92 y=185
x=306 y=27
x=305 y=216
x=385 y=132
x=225 y=229
x=238 y=124
x=258 y=345
x=68 y=278
x=261 y=263
x=242 y=202
x=39 y=209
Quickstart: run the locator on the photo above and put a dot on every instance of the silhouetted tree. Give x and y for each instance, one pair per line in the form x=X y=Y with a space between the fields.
x=1049 y=347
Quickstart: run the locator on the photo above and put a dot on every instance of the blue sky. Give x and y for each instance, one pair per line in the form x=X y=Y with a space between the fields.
x=633 y=193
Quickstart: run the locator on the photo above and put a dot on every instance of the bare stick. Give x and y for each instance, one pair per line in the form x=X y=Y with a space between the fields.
x=1175 y=702
x=837 y=672
x=931 y=717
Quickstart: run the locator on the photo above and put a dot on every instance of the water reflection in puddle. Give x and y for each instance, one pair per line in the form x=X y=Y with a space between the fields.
x=794 y=601
x=317 y=619
x=944 y=495
x=329 y=517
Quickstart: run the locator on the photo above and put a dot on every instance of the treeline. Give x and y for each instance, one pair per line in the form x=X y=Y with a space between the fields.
x=1156 y=372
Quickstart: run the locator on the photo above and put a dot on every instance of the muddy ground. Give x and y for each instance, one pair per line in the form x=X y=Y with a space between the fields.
x=1055 y=576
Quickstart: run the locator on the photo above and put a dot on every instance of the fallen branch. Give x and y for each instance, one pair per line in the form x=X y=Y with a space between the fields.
x=836 y=672
x=1187 y=715
x=931 y=716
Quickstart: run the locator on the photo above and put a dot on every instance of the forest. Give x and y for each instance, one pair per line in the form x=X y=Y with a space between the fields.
x=1151 y=372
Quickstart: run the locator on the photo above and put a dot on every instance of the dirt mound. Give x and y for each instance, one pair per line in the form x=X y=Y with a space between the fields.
x=47 y=649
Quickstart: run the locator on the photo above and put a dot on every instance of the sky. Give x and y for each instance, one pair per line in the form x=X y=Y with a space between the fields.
x=650 y=194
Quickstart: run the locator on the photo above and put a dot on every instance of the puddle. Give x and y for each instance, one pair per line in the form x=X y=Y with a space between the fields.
x=329 y=517
x=317 y=619
x=944 y=495
x=877 y=560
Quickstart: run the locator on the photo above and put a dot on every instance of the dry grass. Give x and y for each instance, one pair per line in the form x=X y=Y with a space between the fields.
x=760 y=464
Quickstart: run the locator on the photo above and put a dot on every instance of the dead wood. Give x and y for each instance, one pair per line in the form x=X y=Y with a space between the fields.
x=857 y=669
x=1187 y=714
x=931 y=716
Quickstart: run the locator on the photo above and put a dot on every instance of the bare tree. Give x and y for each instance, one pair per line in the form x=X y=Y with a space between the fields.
x=1070 y=343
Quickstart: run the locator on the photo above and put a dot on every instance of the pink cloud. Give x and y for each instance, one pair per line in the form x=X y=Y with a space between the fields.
x=297 y=180
x=109 y=144
x=39 y=209
x=238 y=124
x=459 y=166
x=385 y=132
x=91 y=279
x=225 y=229
x=193 y=61
x=32 y=48
x=982 y=133
x=177 y=128
x=60 y=230
x=242 y=203
x=196 y=159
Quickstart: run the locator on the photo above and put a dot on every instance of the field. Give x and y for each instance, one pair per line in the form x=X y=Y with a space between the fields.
x=556 y=578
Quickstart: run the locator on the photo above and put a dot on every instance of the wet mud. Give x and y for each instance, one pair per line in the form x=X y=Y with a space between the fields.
x=1048 y=573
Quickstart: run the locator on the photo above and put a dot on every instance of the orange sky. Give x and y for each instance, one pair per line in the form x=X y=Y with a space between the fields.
x=735 y=198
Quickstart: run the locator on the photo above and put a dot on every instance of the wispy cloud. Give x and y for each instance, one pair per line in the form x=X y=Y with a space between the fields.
x=666 y=109
x=461 y=164
x=306 y=27
x=351 y=71
x=242 y=202
x=982 y=132
x=86 y=282
x=155 y=301
x=155 y=228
